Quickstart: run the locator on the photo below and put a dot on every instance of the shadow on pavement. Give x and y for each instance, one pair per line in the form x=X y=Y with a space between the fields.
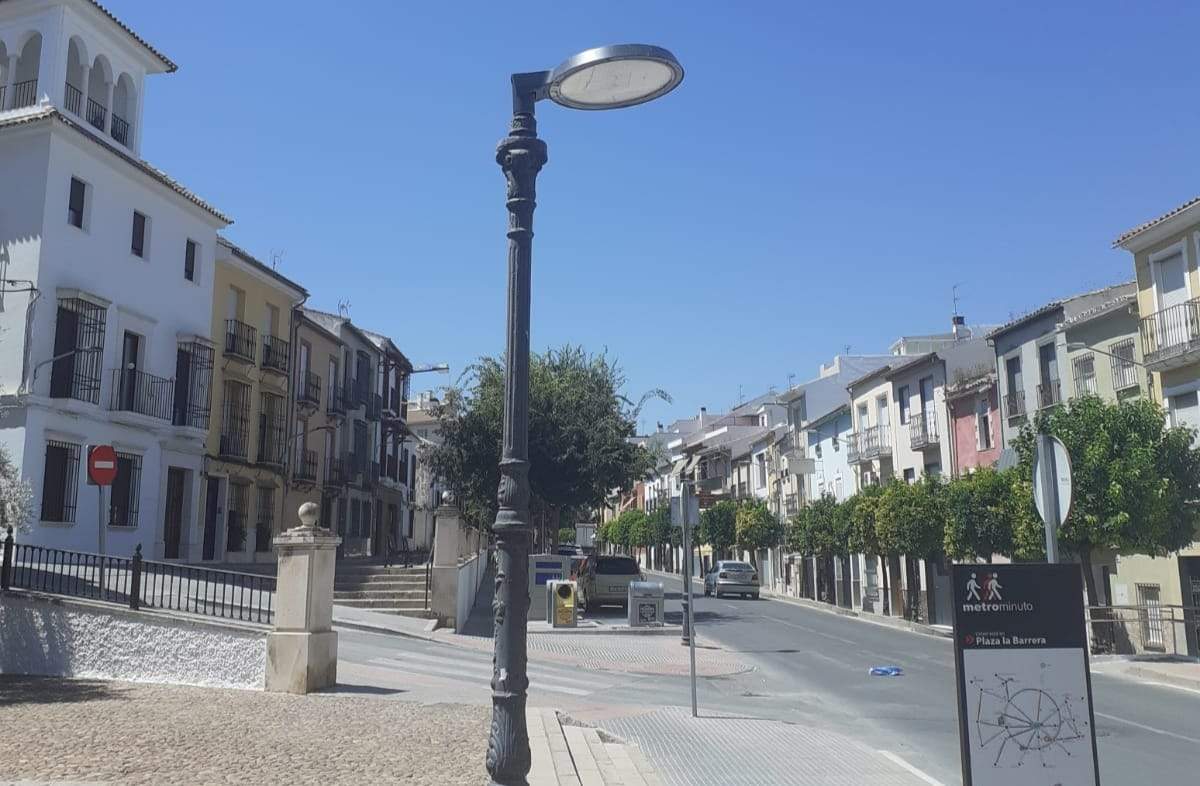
x=366 y=690
x=23 y=689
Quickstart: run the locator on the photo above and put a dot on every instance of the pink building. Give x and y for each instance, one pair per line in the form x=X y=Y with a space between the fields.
x=974 y=421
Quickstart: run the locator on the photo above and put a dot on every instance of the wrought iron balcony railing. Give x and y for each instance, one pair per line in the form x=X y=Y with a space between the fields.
x=1014 y=404
x=1170 y=336
x=869 y=443
x=306 y=468
x=24 y=93
x=922 y=430
x=120 y=129
x=145 y=394
x=275 y=354
x=240 y=340
x=336 y=400
x=374 y=404
x=235 y=433
x=337 y=471
x=1049 y=393
x=74 y=102
x=272 y=441
x=309 y=395
x=97 y=114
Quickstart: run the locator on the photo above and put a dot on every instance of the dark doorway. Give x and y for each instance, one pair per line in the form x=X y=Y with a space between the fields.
x=173 y=524
x=211 y=497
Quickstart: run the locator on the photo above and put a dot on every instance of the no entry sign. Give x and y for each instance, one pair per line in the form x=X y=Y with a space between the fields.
x=1024 y=690
x=101 y=465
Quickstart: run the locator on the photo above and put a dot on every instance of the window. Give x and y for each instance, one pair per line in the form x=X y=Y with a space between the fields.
x=265 y=524
x=78 y=350
x=1185 y=411
x=189 y=260
x=1085 y=375
x=77 y=203
x=902 y=400
x=910 y=475
x=235 y=530
x=983 y=424
x=125 y=491
x=60 y=481
x=1124 y=369
x=354 y=519
x=138 y=245
x=1148 y=597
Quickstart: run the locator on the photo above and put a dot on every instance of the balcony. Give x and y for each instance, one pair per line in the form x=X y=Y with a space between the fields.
x=391 y=468
x=370 y=474
x=240 y=340
x=393 y=402
x=1014 y=405
x=235 y=433
x=922 y=431
x=272 y=441
x=870 y=443
x=97 y=114
x=1049 y=394
x=335 y=406
x=337 y=472
x=145 y=394
x=308 y=397
x=24 y=93
x=120 y=129
x=74 y=102
x=374 y=404
x=1171 y=337
x=275 y=354
x=305 y=471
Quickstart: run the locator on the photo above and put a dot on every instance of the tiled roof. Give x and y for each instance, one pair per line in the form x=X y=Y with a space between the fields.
x=166 y=61
x=1037 y=312
x=51 y=114
x=1124 y=236
x=1103 y=308
x=245 y=256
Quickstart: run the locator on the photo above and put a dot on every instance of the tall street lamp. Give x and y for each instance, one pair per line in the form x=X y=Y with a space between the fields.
x=610 y=77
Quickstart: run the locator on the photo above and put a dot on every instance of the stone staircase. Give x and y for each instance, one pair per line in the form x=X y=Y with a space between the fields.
x=393 y=590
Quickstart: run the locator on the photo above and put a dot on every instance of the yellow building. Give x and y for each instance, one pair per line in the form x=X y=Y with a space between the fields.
x=1166 y=252
x=253 y=399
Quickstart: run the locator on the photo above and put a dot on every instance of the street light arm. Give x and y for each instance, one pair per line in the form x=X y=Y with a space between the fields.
x=33 y=376
x=528 y=89
x=1076 y=346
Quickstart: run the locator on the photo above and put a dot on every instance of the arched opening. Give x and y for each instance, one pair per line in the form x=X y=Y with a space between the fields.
x=123 y=108
x=25 y=84
x=3 y=76
x=97 y=92
x=76 y=77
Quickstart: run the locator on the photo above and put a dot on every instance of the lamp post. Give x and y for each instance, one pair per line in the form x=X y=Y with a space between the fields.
x=605 y=78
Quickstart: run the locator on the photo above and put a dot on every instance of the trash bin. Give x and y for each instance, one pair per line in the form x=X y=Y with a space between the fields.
x=560 y=600
x=645 y=604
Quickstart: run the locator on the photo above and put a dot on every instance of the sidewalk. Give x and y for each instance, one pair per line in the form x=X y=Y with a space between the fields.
x=1176 y=672
x=180 y=735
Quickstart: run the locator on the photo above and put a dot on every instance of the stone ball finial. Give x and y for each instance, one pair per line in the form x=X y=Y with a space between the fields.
x=309 y=512
x=447 y=497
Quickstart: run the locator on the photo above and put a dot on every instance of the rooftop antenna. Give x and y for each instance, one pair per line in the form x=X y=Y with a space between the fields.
x=741 y=398
x=791 y=380
x=845 y=349
x=276 y=258
x=344 y=309
x=954 y=296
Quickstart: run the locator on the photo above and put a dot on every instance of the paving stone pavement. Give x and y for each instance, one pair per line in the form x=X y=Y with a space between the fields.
x=734 y=751
x=88 y=731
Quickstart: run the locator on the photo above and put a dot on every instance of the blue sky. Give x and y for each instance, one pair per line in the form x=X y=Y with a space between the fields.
x=824 y=175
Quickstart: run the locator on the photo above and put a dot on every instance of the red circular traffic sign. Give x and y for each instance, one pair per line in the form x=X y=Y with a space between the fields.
x=102 y=464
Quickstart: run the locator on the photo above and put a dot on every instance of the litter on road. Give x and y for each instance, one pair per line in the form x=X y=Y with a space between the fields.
x=886 y=671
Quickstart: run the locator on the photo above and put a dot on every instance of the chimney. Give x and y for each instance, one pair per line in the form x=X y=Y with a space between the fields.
x=958 y=326
x=660 y=427
x=703 y=414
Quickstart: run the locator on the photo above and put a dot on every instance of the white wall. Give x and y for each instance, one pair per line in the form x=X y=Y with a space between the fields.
x=70 y=638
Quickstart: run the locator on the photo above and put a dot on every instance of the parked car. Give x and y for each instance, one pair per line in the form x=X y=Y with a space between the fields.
x=605 y=580
x=730 y=577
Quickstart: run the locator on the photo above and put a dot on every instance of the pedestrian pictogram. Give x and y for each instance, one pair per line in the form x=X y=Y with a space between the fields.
x=101 y=465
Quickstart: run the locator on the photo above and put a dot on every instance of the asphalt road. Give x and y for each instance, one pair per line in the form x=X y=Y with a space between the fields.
x=812 y=668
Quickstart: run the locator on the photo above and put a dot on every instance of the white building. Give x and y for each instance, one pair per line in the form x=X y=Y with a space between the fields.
x=106 y=270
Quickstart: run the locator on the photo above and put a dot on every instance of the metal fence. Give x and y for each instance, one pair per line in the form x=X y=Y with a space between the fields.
x=1140 y=630
x=138 y=583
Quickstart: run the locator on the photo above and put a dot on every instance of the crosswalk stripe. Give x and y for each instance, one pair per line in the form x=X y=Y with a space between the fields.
x=536 y=672
x=433 y=671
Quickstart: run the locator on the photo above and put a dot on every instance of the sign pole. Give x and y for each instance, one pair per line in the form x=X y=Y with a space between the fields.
x=689 y=628
x=1048 y=473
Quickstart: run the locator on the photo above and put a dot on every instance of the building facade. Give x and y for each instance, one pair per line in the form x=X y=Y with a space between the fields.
x=107 y=268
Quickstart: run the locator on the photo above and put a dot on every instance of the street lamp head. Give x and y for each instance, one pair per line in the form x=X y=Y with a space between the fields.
x=612 y=77
x=1075 y=346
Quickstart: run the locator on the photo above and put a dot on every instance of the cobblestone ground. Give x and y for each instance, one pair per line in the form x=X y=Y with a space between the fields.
x=619 y=652
x=123 y=733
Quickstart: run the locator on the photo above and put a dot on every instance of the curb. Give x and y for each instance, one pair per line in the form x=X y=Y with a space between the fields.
x=1147 y=675
x=873 y=619
x=369 y=628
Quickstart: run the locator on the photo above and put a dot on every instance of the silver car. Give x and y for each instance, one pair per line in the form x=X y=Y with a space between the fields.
x=730 y=577
x=605 y=580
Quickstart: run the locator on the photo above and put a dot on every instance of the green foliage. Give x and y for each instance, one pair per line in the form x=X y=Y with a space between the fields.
x=636 y=528
x=718 y=526
x=756 y=527
x=981 y=514
x=16 y=495
x=910 y=518
x=822 y=529
x=566 y=535
x=579 y=425
x=1131 y=478
x=860 y=511
x=661 y=531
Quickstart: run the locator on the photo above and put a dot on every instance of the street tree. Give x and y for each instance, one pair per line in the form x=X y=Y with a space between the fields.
x=862 y=535
x=579 y=429
x=981 y=512
x=16 y=495
x=910 y=522
x=718 y=527
x=661 y=531
x=566 y=535
x=1132 y=481
x=821 y=530
x=756 y=527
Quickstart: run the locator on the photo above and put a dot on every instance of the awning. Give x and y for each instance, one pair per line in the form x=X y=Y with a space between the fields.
x=677 y=467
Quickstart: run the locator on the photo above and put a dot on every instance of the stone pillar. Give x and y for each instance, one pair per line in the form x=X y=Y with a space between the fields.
x=10 y=80
x=443 y=596
x=302 y=650
x=108 y=118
